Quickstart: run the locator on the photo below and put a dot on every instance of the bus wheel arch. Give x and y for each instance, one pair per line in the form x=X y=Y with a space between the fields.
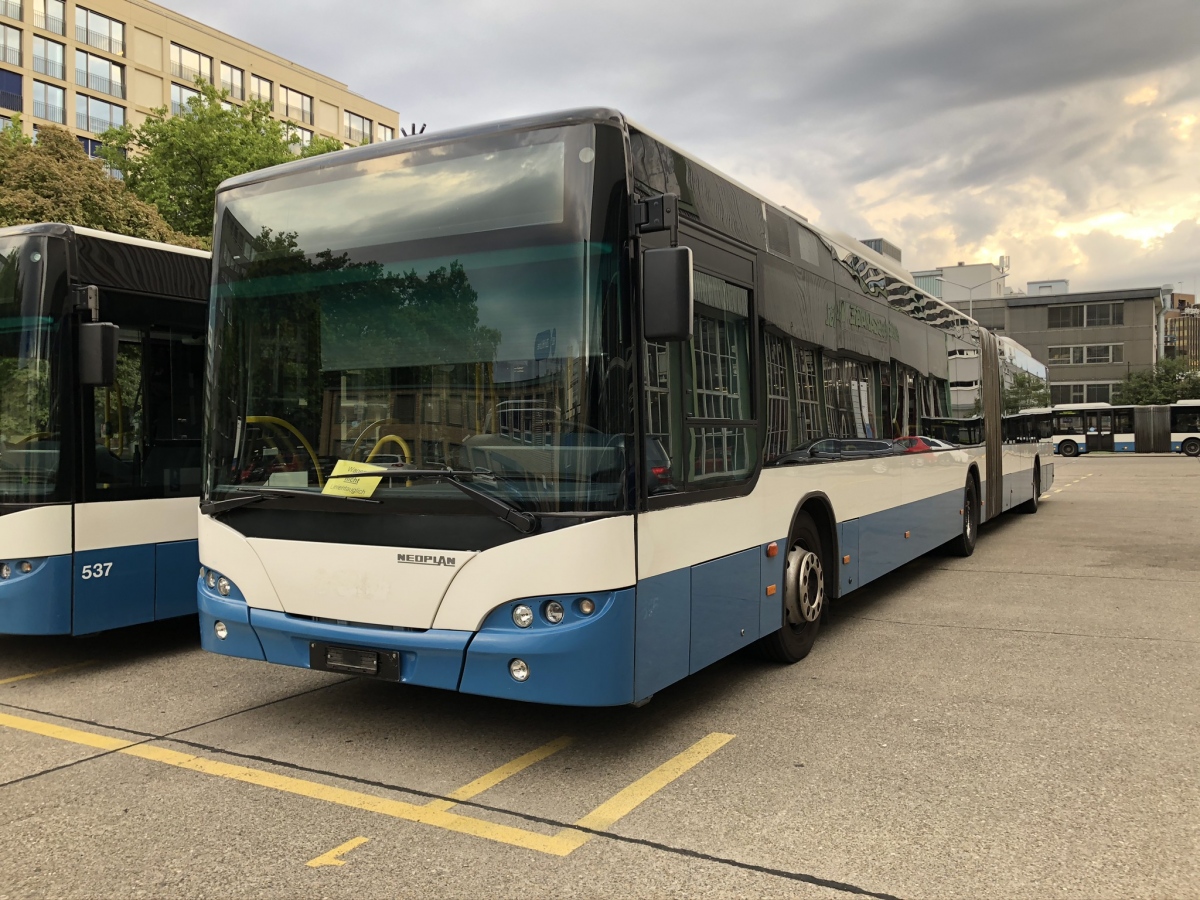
x=1190 y=447
x=1031 y=505
x=964 y=543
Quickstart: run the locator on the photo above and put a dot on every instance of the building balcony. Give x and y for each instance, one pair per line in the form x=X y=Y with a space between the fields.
x=236 y=92
x=43 y=110
x=99 y=40
x=99 y=83
x=84 y=122
x=358 y=135
x=10 y=55
x=188 y=74
x=10 y=10
x=264 y=99
x=50 y=23
x=8 y=100
x=297 y=112
x=50 y=67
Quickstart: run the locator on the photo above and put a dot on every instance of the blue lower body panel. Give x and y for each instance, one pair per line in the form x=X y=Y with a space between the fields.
x=175 y=566
x=39 y=601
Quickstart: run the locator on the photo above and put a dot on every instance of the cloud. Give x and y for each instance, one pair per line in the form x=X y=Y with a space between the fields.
x=957 y=130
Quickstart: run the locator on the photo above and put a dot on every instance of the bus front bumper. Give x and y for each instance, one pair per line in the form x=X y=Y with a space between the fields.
x=584 y=660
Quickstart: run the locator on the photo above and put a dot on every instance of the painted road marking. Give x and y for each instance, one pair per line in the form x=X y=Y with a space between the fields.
x=29 y=675
x=493 y=778
x=567 y=840
x=333 y=857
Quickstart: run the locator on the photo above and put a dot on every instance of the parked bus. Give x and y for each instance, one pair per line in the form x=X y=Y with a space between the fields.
x=632 y=416
x=1083 y=427
x=101 y=373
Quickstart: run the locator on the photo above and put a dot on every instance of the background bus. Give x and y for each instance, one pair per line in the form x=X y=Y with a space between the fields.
x=98 y=484
x=1084 y=427
x=748 y=393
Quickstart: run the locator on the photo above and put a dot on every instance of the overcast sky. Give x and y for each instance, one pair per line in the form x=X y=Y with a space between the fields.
x=1063 y=133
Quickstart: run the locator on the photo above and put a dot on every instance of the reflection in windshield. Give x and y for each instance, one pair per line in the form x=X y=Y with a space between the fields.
x=29 y=436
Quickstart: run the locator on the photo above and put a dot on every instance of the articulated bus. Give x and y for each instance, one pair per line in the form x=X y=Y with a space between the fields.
x=548 y=410
x=101 y=387
x=1086 y=427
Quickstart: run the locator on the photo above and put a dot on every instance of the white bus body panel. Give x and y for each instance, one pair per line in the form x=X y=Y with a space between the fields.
x=36 y=532
x=129 y=523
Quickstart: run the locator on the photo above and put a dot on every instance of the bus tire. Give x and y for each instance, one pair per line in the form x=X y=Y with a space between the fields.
x=1191 y=447
x=1031 y=505
x=1068 y=449
x=804 y=595
x=964 y=544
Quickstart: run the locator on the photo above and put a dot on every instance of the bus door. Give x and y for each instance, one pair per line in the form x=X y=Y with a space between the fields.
x=1099 y=429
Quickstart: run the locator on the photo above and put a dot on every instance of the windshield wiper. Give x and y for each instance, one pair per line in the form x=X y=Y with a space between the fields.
x=256 y=495
x=524 y=522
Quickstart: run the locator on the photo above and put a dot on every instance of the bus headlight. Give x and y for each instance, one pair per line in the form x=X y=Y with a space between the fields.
x=211 y=579
x=224 y=586
x=554 y=612
x=522 y=618
x=26 y=567
x=587 y=606
x=5 y=571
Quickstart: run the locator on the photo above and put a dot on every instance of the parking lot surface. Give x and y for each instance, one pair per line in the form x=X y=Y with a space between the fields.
x=1022 y=723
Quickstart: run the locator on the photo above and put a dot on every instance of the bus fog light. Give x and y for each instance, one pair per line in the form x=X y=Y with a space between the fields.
x=586 y=606
x=26 y=567
x=224 y=585
x=211 y=579
x=518 y=669
x=221 y=630
x=203 y=572
x=5 y=571
x=522 y=618
x=554 y=612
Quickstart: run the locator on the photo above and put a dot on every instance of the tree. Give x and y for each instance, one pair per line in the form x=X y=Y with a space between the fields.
x=1167 y=382
x=53 y=180
x=1025 y=392
x=176 y=162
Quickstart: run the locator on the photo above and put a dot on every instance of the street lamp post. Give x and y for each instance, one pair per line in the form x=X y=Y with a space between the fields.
x=970 y=288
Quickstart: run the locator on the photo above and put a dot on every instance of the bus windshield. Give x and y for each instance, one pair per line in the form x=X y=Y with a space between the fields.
x=438 y=308
x=29 y=398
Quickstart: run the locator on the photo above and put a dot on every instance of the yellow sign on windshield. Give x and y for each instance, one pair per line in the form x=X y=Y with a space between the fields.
x=352 y=487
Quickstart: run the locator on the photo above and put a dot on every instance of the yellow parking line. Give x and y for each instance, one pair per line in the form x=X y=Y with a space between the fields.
x=494 y=777
x=334 y=856
x=29 y=675
x=561 y=844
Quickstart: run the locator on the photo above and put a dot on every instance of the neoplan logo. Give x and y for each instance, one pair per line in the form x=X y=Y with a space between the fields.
x=424 y=559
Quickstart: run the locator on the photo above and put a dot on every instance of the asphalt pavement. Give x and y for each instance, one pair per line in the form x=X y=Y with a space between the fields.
x=1022 y=723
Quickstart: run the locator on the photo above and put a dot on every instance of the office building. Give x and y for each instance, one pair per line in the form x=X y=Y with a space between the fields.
x=98 y=63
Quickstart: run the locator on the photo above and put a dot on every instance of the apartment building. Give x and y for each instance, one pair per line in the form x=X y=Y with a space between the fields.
x=93 y=64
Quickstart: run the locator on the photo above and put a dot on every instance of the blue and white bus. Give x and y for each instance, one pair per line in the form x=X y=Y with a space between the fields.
x=1086 y=427
x=548 y=410
x=101 y=376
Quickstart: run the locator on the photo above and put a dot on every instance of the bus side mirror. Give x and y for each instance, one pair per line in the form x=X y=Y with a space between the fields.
x=98 y=353
x=667 y=294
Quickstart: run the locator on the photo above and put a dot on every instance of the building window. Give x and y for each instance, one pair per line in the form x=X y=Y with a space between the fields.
x=385 y=132
x=1062 y=394
x=190 y=65
x=1065 y=356
x=11 y=92
x=1098 y=393
x=48 y=57
x=99 y=74
x=180 y=97
x=97 y=115
x=1100 y=314
x=295 y=105
x=1065 y=317
x=1105 y=353
x=12 y=10
x=233 y=80
x=92 y=147
x=356 y=128
x=99 y=31
x=261 y=89
x=1086 y=354
x=48 y=102
x=10 y=45
x=297 y=136
x=50 y=15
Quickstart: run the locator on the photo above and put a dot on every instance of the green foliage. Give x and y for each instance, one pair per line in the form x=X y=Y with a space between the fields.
x=1025 y=392
x=177 y=162
x=1168 y=382
x=55 y=181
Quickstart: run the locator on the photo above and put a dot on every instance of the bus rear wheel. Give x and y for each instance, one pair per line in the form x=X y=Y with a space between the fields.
x=804 y=595
x=1191 y=447
x=964 y=544
x=1068 y=449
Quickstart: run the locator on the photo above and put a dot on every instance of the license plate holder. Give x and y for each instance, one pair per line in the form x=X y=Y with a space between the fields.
x=381 y=664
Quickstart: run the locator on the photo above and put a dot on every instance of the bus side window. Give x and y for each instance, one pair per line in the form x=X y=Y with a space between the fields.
x=118 y=419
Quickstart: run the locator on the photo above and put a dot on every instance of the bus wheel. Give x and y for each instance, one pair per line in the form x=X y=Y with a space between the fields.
x=1031 y=505
x=804 y=596
x=964 y=544
x=1191 y=447
x=1068 y=449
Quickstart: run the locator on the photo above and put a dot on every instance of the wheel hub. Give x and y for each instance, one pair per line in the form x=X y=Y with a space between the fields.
x=804 y=596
